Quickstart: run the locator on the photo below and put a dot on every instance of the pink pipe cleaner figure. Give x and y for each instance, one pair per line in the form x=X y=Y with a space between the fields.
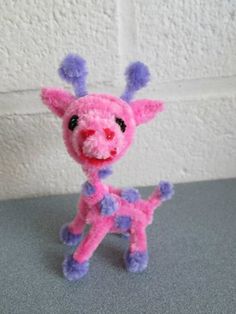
x=97 y=131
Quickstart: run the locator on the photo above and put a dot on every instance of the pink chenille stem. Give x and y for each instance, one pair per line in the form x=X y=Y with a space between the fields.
x=92 y=240
x=78 y=223
x=138 y=238
x=100 y=188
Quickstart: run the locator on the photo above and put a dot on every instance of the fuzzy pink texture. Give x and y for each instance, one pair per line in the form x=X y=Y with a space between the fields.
x=97 y=141
x=56 y=99
x=140 y=212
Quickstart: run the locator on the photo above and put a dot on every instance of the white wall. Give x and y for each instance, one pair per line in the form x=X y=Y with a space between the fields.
x=190 y=47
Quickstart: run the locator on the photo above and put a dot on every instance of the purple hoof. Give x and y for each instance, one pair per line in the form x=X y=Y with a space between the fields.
x=136 y=262
x=74 y=270
x=69 y=238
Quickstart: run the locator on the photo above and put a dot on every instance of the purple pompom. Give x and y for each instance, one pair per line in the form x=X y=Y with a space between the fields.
x=123 y=222
x=73 y=70
x=137 y=76
x=131 y=195
x=88 y=189
x=69 y=238
x=104 y=172
x=136 y=261
x=166 y=190
x=74 y=270
x=108 y=205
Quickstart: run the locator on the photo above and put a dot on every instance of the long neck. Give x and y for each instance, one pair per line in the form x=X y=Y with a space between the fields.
x=94 y=189
x=92 y=175
x=95 y=175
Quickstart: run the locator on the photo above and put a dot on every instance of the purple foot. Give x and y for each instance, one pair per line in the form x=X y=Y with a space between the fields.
x=69 y=238
x=74 y=270
x=136 y=262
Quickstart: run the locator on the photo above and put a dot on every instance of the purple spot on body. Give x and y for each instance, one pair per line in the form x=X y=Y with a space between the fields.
x=123 y=222
x=166 y=190
x=108 y=205
x=104 y=172
x=131 y=195
x=88 y=189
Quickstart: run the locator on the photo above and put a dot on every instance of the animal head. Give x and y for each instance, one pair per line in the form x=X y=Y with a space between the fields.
x=99 y=128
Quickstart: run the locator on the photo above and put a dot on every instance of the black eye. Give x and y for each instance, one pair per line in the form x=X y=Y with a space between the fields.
x=73 y=122
x=121 y=123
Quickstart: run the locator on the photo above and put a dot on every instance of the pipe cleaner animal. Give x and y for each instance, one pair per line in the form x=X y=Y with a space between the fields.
x=97 y=131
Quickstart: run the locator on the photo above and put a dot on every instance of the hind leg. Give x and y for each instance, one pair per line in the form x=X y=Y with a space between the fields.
x=76 y=265
x=136 y=259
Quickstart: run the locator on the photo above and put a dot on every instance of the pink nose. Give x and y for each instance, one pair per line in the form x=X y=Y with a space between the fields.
x=109 y=134
x=89 y=132
x=86 y=133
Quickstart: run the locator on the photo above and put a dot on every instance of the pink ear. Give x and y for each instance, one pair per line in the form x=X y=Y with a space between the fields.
x=145 y=109
x=57 y=100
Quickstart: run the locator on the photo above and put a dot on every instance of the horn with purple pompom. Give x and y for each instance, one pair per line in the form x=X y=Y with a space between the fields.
x=73 y=70
x=137 y=76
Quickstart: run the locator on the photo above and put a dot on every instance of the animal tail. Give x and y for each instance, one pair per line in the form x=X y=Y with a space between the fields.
x=163 y=192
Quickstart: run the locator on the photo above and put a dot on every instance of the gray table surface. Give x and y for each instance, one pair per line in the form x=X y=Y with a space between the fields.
x=192 y=247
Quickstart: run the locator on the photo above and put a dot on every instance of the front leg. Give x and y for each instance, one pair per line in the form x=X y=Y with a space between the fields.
x=71 y=233
x=75 y=266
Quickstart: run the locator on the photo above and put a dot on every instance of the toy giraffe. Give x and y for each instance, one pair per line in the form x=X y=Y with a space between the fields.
x=97 y=131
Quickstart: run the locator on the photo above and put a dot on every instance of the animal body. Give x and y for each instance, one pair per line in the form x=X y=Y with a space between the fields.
x=97 y=130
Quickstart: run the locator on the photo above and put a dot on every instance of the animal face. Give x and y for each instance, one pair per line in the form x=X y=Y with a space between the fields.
x=98 y=128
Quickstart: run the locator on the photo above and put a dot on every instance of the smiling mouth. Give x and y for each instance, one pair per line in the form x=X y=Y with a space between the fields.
x=94 y=160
